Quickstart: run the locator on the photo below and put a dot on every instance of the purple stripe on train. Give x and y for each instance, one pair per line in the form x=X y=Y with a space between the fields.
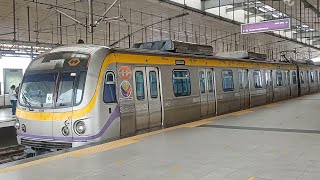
x=114 y=115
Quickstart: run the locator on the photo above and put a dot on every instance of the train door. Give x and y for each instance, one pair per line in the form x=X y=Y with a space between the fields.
x=147 y=98
x=244 y=89
x=269 y=87
x=207 y=92
x=155 y=108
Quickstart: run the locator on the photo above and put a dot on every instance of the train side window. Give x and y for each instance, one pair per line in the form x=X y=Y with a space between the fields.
x=181 y=83
x=279 y=79
x=153 y=83
x=312 y=76
x=202 y=82
x=294 y=77
x=139 y=85
x=210 y=81
x=109 y=90
x=301 y=77
x=240 y=80
x=257 y=77
x=227 y=80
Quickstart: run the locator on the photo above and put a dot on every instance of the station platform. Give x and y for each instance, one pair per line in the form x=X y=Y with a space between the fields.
x=6 y=118
x=279 y=141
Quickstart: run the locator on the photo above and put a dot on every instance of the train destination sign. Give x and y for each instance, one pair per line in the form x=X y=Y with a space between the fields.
x=265 y=26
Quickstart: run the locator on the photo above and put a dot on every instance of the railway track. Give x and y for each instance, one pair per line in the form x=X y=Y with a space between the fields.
x=12 y=153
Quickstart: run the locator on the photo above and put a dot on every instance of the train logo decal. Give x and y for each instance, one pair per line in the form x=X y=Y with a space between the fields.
x=74 y=62
x=124 y=72
x=126 y=88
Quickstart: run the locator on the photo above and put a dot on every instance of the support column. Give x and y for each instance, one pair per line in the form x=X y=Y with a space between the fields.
x=90 y=19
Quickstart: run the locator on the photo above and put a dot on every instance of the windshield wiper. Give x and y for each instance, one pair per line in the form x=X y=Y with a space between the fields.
x=26 y=102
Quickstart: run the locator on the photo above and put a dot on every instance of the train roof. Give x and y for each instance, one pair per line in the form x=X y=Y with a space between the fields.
x=172 y=54
x=90 y=49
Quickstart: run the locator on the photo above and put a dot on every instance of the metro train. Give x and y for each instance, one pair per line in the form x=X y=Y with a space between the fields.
x=79 y=94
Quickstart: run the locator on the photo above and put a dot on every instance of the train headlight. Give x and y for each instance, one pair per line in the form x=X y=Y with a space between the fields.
x=24 y=128
x=17 y=124
x=80 y=127
x=65 y=131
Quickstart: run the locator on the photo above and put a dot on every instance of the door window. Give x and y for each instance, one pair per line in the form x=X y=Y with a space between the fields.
x=257 y=77
x=202 y=82
x=240 y=80
x=153 y=84
x=288 y=78
x=302 y=77
x=245 y=79
x=210 y=81
x=139 y=85
x=312 y=77
x=279 y=78
x=294 y=77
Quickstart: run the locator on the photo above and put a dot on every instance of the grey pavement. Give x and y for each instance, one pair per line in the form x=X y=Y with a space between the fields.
x=280 y=141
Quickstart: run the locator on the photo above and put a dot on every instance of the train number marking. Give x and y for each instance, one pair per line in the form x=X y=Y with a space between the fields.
x=196 y=100
x=167 y=104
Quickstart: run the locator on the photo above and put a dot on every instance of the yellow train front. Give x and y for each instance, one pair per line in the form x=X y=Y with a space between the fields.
x=61 y=104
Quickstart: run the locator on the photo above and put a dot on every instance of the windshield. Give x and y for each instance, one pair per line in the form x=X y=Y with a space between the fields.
x=37 y=90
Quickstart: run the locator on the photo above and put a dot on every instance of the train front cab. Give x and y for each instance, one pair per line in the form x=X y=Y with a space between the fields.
x=60 y=101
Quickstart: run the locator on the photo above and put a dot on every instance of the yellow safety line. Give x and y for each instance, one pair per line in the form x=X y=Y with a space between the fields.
x=240 y=113
x=251 y=178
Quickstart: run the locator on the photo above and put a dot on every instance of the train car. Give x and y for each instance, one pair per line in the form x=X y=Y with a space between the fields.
x=80 y=94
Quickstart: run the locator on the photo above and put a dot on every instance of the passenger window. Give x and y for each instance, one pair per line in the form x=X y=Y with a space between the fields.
x=312 y=76
x=279 y=78
x=210 y=81
x=257 y=77
x=240 y=80
x=202 y=82
x=153 y=83
x=109 y=90
x=294 y=77
x=139 y=85
x=181 y=83
x=227 y=80
x=301 y=77
x=80 y=87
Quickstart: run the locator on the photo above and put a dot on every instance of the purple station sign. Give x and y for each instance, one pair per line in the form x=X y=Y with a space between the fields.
x=265 y=26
